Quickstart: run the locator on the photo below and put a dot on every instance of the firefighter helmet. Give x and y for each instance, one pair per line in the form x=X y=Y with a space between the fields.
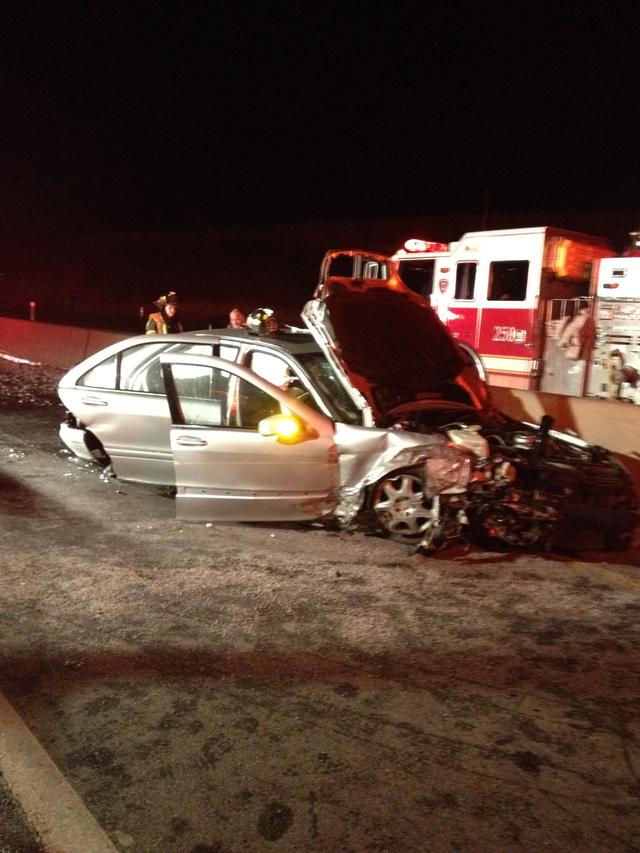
x=170 y=299
x=262 y=321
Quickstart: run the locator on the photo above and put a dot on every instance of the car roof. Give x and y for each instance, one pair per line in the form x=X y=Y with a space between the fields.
x=289 y=341
x=290 y=338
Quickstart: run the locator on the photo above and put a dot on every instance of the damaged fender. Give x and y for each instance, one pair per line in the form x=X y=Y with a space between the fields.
x=447 y=469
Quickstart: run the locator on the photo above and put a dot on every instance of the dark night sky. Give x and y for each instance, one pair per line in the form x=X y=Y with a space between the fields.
x=139 y=115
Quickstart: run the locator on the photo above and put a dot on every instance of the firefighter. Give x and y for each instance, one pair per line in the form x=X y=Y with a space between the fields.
x=164 y=321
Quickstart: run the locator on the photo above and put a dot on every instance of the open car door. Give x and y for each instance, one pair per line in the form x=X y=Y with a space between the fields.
x=244 y=449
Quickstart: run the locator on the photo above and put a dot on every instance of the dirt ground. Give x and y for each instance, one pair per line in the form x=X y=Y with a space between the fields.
x=250 y=687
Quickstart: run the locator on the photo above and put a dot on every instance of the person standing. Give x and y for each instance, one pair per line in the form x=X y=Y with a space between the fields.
x=165 y=320
x=237 y=320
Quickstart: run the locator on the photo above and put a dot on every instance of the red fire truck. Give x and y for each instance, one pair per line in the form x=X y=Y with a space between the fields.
x=613 y=369
x=493 y=289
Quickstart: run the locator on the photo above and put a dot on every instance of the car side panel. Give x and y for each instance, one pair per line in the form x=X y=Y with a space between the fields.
x=133 y=429
x=230 y=472
x=238 y=475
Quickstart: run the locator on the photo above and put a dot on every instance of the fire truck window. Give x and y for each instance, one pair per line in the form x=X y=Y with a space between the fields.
x=373 y=269
x=508 y=280
x=465 y=279
x=418 y=275
x=341 y=265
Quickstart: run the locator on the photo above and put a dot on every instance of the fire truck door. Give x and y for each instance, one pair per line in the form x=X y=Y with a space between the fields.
x=507 y=337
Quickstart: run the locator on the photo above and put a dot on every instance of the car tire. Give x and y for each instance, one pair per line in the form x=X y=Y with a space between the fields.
x=399 y=505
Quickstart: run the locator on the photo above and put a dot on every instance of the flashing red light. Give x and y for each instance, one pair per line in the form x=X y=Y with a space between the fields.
x=415 y=245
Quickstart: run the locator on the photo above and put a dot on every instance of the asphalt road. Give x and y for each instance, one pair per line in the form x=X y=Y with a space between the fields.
x=251 y=688
x=16 y=833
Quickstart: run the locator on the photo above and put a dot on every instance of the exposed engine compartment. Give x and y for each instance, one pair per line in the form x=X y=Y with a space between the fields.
x=529 y=484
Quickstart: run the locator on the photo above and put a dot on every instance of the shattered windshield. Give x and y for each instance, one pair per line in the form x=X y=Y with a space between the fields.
x=342 y=407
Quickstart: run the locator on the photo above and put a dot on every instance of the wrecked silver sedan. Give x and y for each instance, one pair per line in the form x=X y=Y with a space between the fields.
x=371 y=416
x=251 y=428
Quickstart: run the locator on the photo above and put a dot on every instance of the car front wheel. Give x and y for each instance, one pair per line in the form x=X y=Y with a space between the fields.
x=400 y=507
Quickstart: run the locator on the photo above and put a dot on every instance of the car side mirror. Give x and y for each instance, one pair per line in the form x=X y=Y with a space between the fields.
x=288 y=429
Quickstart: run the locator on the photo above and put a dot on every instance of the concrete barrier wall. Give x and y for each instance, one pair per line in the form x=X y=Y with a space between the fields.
x=609 y=423
x=58 y=346
x=612 y=424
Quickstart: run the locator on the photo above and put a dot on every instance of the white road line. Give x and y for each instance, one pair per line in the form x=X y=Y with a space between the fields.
x=17 y=360
x=52 y=807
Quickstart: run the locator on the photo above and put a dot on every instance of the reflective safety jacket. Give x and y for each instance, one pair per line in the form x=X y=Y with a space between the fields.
x=160 y=324
x=156 y=324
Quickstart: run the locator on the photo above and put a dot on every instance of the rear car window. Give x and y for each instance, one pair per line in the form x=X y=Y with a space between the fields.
x=103 y=375
x=138 y=368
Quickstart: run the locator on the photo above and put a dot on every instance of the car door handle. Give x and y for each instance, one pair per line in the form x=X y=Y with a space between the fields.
x=191 y=441
x=93 y=401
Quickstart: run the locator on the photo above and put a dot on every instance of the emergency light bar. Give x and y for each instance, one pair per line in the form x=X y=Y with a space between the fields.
x=415 y=245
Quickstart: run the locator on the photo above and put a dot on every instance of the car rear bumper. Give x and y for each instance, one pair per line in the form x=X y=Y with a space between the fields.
x=74 y=438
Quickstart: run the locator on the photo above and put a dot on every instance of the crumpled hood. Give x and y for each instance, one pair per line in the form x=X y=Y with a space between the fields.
x=388 y=340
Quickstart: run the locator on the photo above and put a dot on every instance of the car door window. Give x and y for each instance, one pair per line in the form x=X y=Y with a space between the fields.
x=131 y=369
x=138 y=368
x=204 y=394
x=279 y=372
x=252 y=405
x=229 y=353
x=211 y=397
x=147 y=377
x=270 y=367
